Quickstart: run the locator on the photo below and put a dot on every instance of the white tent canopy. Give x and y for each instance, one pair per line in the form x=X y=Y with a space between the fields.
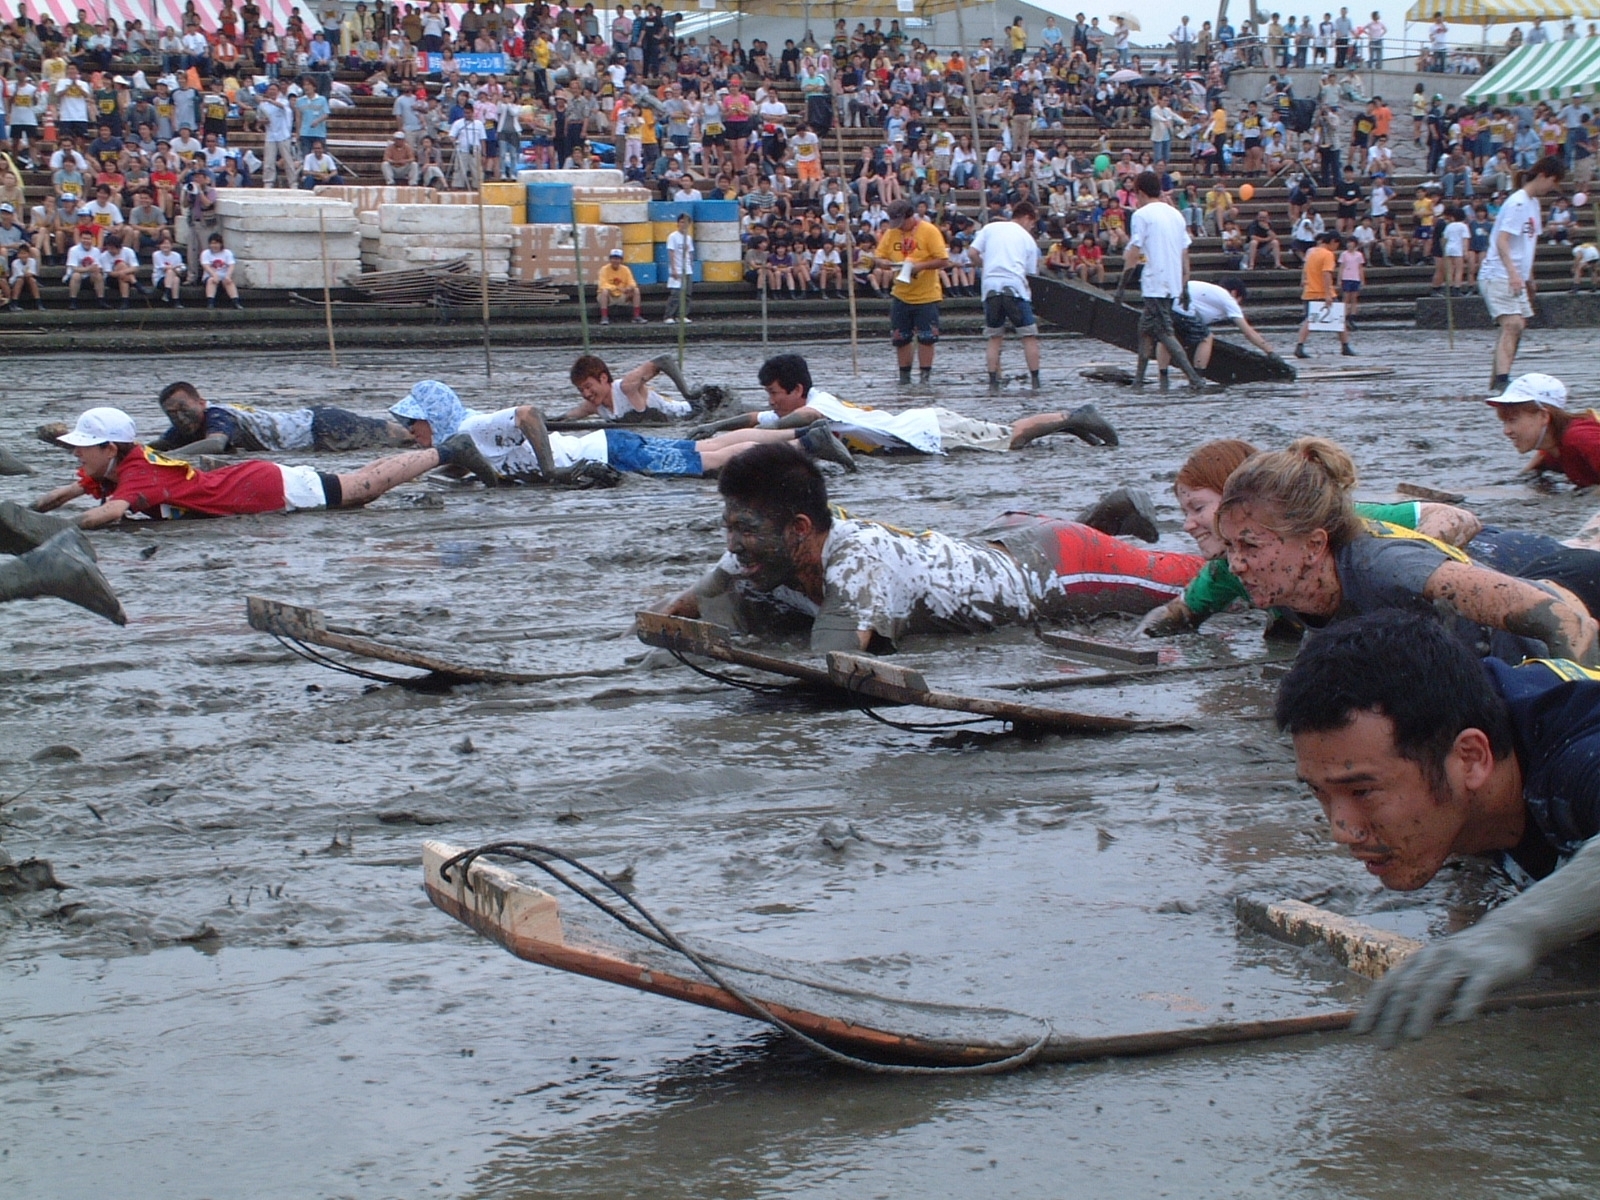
x=1551 y=71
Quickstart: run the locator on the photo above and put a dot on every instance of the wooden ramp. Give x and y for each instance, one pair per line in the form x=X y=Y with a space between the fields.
x=1079 y=308
x=866 y=678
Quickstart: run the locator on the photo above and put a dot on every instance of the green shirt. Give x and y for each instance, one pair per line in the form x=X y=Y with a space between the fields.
x=1216 y=587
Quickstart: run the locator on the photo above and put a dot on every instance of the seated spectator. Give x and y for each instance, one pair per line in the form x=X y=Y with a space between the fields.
x=23 y=278
x=399 y=159
x=216 y=266
x=166 y=271
x=616 y=282
x=84 y=262
x=121 y=266
x=1262 y=239
x=319 y=168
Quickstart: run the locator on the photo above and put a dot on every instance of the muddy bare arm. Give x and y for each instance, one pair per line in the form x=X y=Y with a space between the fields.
x=217 y=443
x=1451 y=978
x=1173 y=617
x=108 y=513
x=687 y=603
x=1516 y=606
x=1448 y=523
x=62 y=495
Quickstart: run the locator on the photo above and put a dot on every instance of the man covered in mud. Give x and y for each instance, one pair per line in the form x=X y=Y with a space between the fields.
x=1417 y=751
x=130 y=479
x=795 y=402
x=520 y=446
x=631 y=398
x=792 y=565
x=200 y=426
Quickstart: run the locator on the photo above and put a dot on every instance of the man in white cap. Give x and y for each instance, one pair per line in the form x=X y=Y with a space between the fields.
x=399 y=158
x=127 y=477
x=1534 y=416
x=616 y=282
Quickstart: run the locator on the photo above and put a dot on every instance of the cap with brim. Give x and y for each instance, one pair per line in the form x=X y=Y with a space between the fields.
x=616 y=254
x=1533 y=388
x=410 y=409
x=399 y=136
x=99 y=426
x=7 y=208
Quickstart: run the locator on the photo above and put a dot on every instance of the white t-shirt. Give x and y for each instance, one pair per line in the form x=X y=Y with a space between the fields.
x=680 y=257
x=126 y=255
x=1162 y=236
x=161 y=260
x=1520 y=218
x=652 y=399
x=280 y=119
x=1455 y=239
x=1209 y=303
x=500 y=441
x=220 y=261
x=21 y=267
x=72 y=100
x=916 y=427
x=83 y=258
x=1009 y=256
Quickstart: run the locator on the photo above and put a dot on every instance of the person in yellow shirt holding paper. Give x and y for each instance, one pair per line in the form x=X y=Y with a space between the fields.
x=617 y=283
x=916 y=250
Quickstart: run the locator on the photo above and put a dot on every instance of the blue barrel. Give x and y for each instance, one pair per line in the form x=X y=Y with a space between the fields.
x=644 y=273
x=671 y=210
x=549 y=214
x=549 y=193
x=715 y=210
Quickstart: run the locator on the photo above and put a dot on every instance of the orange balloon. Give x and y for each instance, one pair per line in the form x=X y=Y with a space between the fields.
x=1247 y=191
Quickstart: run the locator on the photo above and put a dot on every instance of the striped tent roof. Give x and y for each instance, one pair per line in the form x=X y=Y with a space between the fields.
x=156 y=14
x=1494 y=12
x=1551 y=71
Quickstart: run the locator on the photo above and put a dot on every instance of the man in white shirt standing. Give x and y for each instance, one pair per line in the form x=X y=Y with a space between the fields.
x=1160 y=241
x=680 y=271
x=1008 y=254
x=274 y=109
x=1183 y=43
x=1505 y=280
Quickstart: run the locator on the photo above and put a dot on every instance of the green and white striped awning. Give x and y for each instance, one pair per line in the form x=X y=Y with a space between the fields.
x=1552 y=71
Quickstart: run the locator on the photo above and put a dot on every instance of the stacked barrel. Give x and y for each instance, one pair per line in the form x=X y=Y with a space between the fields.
x=628 y=210
x=719 y=254
x=549 y=203
x=513 y=195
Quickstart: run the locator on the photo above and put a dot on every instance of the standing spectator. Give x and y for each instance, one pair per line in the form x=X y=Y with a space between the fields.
x=1162 y=119
x=1376 y=32
x=468 y=135
x=1352 y=278
x=279 y=117
x=71 y=95
x=1318 y=290
x=1183 y=38
x=1505 y=279
x=1017 y=32
x=1007 y=254
x=1159 y=241
x=680 y=271
x=916 y=251
x=1343 y=28
x=312 y=108
x=1438 y=43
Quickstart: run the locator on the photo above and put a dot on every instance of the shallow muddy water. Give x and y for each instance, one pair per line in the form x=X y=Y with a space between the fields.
x=245 y=993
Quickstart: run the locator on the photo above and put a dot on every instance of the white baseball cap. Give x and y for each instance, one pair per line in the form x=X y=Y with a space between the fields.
x=99 y=426
x=616 y=254
x=1533 y=388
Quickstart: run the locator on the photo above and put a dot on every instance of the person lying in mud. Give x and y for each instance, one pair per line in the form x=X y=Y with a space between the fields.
x=1292 y=536
x=128 y=478
x=1418 y=751
x=631 y=398
x=200 y=426
x=520 y=448
x=1534 y=415
x=51 y=558
x=1574 y=565
x=795 y=402
x=793 y=566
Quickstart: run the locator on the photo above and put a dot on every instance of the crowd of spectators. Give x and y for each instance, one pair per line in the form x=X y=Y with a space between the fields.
x=1054 y=113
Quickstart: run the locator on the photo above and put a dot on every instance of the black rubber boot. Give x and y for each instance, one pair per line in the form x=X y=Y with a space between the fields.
x=1123 y=511
x=1086 y=422
x=64 y=568
x=819 y=443
x=22 y=529
x=667 y=364
x=460 y=451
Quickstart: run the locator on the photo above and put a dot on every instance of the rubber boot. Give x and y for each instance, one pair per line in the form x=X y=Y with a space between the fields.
x=924 y=375
x=1086 y=422
x=994 y=381
x=10 y=464
x=21 y=529
x=64 y=568
x=461 y=452
x=1123 y=511
x=667 y=364
x=1033 y=381
x=905 y=376
x=819 y=443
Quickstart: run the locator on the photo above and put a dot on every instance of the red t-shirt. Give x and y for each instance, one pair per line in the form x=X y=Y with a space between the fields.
x=164 y=487
x=1578 y=455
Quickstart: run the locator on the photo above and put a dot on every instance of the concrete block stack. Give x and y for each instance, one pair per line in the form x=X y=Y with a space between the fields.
x=368 y=198
x=279 y=238
x=413 y=236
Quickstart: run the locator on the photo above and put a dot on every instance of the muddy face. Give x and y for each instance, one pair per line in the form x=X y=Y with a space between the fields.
x=1381 y=807
x=1524 y=425
x=1199 y=507
x=187 y=413
x=1273 y=568
x=765 y=549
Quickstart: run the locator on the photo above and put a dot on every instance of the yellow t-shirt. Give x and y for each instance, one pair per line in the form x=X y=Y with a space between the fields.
x=616 y=278
x=1018 y=35
x=923 y=244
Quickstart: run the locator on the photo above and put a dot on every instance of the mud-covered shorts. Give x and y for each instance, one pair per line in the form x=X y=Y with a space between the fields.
x=913 y=322
x=340 y=429
x=1001 y=308
x=652 y=456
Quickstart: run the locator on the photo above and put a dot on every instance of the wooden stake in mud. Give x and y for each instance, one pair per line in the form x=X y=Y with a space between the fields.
x=685 y=277
x=483 y=269
x=577 y=259
x=1449 y=311
x=327 y=287
x=763 y=310
x=847 y=257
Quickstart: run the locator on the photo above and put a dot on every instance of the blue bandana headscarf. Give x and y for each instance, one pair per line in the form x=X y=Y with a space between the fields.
x=435 y=403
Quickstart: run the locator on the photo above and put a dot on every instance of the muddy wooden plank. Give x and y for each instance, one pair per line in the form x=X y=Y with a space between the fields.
x=1096 y=648
x=1358 y=946
x=711 y=641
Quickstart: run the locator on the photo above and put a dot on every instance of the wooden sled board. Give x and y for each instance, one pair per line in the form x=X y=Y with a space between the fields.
x=298 y=624
x=1078 y=308
x=861 y=675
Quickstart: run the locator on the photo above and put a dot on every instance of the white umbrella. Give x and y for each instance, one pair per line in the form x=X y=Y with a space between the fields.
x=1124 y=76
x=1128 y=19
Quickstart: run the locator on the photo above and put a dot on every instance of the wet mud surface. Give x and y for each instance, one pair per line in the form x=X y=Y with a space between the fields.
x=243 y=990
